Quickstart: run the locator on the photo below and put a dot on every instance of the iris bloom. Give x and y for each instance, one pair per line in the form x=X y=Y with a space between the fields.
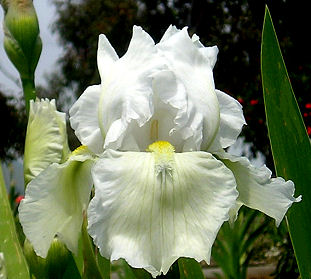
x=163 y=183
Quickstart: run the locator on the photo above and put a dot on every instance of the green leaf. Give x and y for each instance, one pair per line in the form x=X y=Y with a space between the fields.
x=289 y=142
x=14 y=260
x=78 y=258
x=71 y=271
x=123 y=270
x=91 y=269
x=103 y=265
x=189 y=269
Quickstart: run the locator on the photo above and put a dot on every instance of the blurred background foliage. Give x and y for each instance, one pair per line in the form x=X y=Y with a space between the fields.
x=14 y=121
x=234 y=26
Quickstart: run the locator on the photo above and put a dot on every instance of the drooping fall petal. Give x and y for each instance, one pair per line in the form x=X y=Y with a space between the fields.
x=54 y=202
x=152 y=208
x=257 y=190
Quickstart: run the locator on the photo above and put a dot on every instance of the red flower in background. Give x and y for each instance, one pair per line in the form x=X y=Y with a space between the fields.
x=19 y=199
x=308 y=105
x=254 y=102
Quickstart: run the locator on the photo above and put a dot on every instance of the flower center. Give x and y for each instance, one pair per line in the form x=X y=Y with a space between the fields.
x=163 y=156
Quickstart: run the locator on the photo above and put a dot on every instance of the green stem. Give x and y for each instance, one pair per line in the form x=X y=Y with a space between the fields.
x=29 y=91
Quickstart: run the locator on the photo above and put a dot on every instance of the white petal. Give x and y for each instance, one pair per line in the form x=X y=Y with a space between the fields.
x=231 y=121
x=171 y=30
x=103 y=116
x=170 y=103
x=127 y=94
x=106 y=56
x=194 y=70
x=84 y=119
x=151 y=214
x=46 y=138
x=54 y=203
x=257 y=190
x=210 y=53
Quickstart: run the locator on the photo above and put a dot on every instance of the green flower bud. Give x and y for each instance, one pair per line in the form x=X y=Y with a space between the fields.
x=37 y=265
x=57 y=259
x=21 y=36
x=53 y=266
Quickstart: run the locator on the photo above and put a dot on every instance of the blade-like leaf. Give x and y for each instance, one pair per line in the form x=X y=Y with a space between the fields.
x=14 y=260
x=103 y=265
x=189 y=269
x=91 y=269
x=289 y=142
x=71 y=271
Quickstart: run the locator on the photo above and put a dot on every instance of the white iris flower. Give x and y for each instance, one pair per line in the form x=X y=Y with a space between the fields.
x=163 y=183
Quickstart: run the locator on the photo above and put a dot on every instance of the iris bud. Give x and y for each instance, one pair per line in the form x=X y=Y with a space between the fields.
x=57 y=259
x=55 y=264
x=22 y=42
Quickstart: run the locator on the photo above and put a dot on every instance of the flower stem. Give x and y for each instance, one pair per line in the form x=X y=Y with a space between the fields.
x=29 y=91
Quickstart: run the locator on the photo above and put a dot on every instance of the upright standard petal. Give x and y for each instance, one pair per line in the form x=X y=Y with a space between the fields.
x=46 y=138
x=210 y=53
x=123 y=101
x=126 y=99
x=84 y=119
x=193 y=68
x=152 y=208
x=231 y=121
x=54 y=203
x=106 y=56
x=257 y=190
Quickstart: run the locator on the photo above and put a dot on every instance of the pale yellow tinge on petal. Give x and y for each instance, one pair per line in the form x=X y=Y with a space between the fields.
x=163 y=156
x=82 y=149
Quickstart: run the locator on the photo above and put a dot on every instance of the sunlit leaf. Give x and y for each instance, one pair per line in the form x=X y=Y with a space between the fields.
x=14 y=260
x=289 y=142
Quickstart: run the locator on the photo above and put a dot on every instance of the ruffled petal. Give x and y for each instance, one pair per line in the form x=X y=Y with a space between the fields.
x=170 y=113
x=54 y=202
x=125 y=96
x=126 y=99
x=171 y=30
x=46 y=138
x=151 y=212
x=210 y=53
x=84 y=119
x=231 y=121
x=257 y=190
x=193 y=66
